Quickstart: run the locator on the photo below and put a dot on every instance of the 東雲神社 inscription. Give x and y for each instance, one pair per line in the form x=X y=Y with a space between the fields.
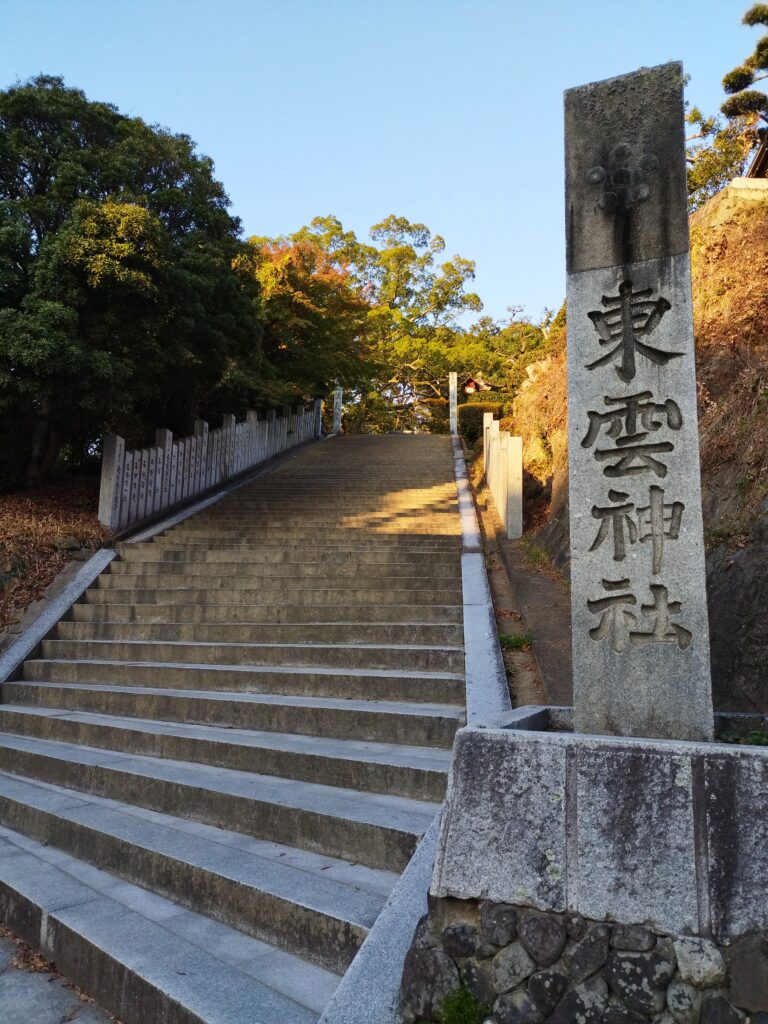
x=639 y=613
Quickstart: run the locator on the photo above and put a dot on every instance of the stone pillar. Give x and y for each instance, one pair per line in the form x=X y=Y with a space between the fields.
x=164 y=441
x=639 y=613
x=318 y=417
x=487 y=421
x=514 y=488
x=453 y=403
x=338 y=395
x=112 y=459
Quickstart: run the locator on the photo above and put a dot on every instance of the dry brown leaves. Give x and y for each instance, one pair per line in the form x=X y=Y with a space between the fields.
x=38 y=530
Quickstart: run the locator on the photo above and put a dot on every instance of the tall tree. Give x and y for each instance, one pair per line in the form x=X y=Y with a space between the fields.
x=119 y=303
x=721 y=150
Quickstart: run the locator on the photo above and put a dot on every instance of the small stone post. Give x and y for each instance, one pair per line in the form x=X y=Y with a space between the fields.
x=487 y=421
x=338 y=394
x=112 y=458
x=164 y=441
x=514 y=489
x=453 y=403
x=318 y=417
x=639 y=607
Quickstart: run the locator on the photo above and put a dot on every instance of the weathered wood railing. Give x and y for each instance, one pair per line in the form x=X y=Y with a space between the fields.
x=503 y=466
x=139 y=484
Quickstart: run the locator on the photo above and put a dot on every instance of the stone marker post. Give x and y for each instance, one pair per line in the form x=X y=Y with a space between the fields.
x=639 y=611
x=112 y=459
x=318 y=421
x=514 y=487
x=338 y=395
x=453 y=403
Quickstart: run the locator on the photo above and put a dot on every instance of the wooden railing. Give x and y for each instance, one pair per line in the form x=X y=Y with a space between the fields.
x=137 y=485
x=503 y=466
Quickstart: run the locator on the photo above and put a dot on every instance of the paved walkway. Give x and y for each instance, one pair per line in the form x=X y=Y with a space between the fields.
x=37 y=997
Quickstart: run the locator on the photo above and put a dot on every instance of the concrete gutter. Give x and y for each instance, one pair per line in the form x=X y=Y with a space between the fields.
x=25 y=646
x=369 y=992
x=486 y=677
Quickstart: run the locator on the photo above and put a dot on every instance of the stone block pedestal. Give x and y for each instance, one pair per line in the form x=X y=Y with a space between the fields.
x=668 y=833
x=598 y=878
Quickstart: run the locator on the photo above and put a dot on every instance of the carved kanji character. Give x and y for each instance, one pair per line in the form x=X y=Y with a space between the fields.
x=615 y=621
x=628 y=317
x=625 y=415
x=617 y=521
x=659 y=521
x=634 y=459
x=662 y=628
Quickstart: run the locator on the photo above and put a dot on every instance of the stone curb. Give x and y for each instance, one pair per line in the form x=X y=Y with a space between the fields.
x=24 y=646
x=369 y=992
x=486 y=677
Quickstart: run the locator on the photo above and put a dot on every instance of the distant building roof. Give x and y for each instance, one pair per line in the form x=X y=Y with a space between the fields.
x=478 y=383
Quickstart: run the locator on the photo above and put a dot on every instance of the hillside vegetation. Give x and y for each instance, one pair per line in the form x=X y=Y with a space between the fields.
x=729 y=255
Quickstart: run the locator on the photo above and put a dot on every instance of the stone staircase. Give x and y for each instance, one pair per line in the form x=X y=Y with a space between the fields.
x=214 y=771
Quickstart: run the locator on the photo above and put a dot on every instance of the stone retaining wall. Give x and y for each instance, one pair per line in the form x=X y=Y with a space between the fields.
x=528 y=967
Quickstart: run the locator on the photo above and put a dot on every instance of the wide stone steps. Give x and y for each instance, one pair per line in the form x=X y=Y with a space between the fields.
x=365 y=684
x=429 y=725
x=276 y=555
x=269 y=584
x=375 y=829
x=423 y=634
x=214 y=768
x=315 y=906
x=342 y=655
x=280 y=614
x=318 y=596
x=142 y=952
x=416 y=772
x=427 y=571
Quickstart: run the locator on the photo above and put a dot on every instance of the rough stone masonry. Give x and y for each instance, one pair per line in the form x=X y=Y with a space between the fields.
x=639 y=614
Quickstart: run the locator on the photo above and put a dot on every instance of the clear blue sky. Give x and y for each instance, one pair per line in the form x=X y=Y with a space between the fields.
x=448 y=112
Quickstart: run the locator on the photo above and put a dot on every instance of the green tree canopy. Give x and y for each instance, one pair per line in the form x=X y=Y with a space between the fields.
x=120 y=307
x=722 y=150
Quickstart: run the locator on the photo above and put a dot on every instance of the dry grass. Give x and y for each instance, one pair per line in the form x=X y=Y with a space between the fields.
x=38 y=530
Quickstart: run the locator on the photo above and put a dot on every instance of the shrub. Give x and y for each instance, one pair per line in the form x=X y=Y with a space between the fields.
x=471 y=418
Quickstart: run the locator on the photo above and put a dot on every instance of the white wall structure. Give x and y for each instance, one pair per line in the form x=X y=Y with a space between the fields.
x=139 y=484
x=503 y=468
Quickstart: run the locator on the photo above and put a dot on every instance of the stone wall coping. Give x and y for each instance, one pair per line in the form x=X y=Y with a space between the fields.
x=26 y=644
x=532 y=723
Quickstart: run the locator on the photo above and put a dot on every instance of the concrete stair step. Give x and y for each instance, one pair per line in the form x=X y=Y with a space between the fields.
x=419 y=773
x=144 y=958
x=318 y=908
x=219 y=595
x=425 y=725
x=427 y=634
x=372 y=684
x=287 y=614
x=329 y=581
x=427 y=572
x=274 y=555
x=374 y=829
x=309 y=655
x=345 y=541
